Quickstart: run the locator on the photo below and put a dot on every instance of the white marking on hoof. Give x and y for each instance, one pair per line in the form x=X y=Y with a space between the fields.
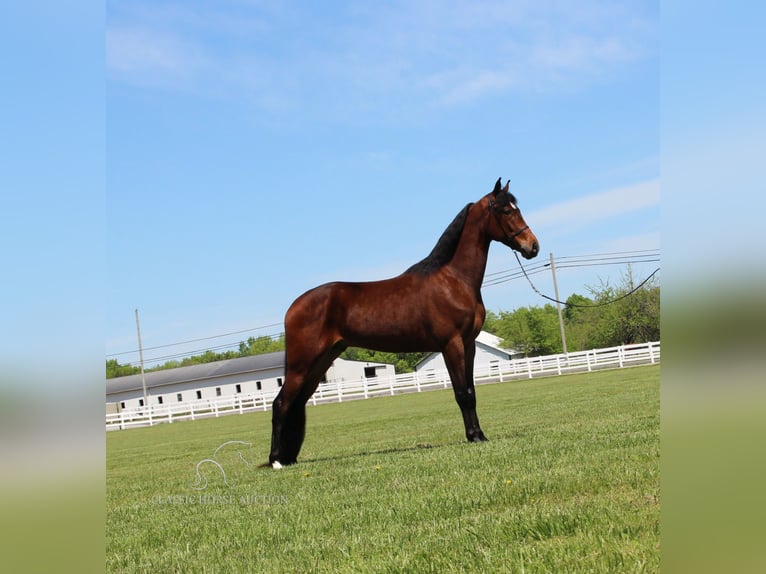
x=276 y=465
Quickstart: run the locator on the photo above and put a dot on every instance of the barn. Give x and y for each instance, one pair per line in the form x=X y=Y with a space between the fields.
x=245 y=376
x=488 y=353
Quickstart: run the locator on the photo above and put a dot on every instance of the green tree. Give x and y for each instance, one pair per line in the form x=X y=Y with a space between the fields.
x=531 y=330
x=261 y=345
x=578 y=322
x=491 y=323
x=622 y=316
x=115 y=369
x=576 y=308
x=632 y=319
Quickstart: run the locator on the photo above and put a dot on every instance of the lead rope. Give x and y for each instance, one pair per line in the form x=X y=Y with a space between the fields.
x=536 y=290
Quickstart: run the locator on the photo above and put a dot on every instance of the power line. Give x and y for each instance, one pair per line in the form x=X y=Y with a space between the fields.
x=195 y=340
x=491 y=279
x=190 y=353
x=540 y=266
x=608 y=263
x=573 y=261
x=617 y=253
x=620 y=255
x=601 y=304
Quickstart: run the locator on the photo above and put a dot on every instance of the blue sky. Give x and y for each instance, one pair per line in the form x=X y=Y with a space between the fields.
x=52 y=173
x=165 y=179
x=255 y=150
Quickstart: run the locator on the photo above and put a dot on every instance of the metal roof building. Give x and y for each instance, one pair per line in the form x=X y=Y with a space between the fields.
x=242 y=376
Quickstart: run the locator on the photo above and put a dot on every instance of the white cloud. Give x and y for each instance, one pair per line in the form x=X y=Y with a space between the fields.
x=588 y=209
x=577 y=52
x=141 y=55
x=458 y=88
x=415 y=52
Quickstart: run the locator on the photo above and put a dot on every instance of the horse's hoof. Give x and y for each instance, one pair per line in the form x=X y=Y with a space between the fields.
x=276 y=465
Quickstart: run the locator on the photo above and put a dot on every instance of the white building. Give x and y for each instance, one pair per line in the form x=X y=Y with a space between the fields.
x=488 y=353
x=343 y=370
x=245 y=375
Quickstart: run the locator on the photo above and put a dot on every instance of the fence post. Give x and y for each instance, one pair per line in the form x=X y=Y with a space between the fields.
x=620 y=352
x=529 y=367
x=651 y=352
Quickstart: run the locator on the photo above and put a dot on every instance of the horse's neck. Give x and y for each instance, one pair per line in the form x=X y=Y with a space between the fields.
x=470 y=259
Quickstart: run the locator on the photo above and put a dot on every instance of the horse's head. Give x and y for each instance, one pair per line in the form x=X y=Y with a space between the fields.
x=507 y=225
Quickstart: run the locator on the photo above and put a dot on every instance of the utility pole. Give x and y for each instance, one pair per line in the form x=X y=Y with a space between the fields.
x=141 y=356
x=558 y=305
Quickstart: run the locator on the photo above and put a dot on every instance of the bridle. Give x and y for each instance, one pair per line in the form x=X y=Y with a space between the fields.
x=495 y=209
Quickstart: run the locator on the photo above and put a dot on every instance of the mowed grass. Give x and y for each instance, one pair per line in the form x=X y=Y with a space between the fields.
x=569 y=482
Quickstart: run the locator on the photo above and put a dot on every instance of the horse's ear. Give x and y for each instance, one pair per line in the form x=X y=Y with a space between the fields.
x=507 y=186
x=497 y=189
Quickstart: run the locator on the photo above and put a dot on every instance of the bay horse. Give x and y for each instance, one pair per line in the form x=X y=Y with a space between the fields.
x=435 y=305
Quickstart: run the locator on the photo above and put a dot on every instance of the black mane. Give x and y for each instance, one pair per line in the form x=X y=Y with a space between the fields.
x=442 y=253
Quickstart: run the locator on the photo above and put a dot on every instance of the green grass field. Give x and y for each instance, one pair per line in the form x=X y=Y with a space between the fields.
x=569 y=482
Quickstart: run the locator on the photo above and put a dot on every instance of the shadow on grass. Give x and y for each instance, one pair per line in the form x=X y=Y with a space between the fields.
x=393 y=450
x=355 y=455
x=521 y=431
x=499 y=437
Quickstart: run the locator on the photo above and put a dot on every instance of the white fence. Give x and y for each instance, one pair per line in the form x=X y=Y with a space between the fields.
x=527 y=368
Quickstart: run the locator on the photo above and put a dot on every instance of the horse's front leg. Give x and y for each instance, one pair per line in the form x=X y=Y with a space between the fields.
x=459 y=356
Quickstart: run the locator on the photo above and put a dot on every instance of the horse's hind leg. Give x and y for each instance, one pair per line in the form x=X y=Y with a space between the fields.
x=288 y=416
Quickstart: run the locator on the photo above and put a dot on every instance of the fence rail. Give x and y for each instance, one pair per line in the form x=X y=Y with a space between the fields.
x=502 y=371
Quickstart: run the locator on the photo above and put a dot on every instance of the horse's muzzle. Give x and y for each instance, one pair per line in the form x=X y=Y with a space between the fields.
x=531 y=252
